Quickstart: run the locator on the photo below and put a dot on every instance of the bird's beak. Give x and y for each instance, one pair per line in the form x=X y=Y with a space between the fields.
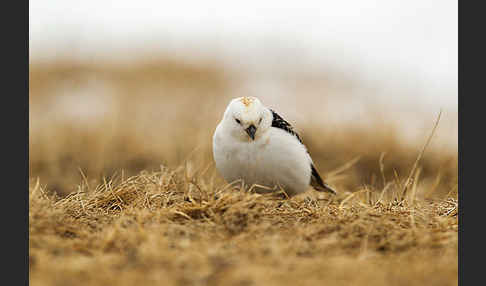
x=251 y=131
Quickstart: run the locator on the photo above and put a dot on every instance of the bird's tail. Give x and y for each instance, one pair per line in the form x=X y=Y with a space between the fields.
x=323 y=188
x=318 y=184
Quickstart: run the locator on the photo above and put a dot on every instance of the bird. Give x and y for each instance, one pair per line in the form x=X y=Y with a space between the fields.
x=255 y=145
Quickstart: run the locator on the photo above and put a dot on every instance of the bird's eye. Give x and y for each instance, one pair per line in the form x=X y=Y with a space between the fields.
x=238 y=121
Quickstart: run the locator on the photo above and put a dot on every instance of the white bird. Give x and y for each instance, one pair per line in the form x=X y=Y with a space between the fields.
x=254 y=144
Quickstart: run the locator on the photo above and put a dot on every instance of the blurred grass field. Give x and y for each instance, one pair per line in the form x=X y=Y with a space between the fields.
x=123 y=190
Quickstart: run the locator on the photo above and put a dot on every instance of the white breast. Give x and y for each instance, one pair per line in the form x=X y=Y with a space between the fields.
x=277 y=157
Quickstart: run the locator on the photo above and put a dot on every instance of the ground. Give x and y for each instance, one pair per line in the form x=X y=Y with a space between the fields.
x=124 y=192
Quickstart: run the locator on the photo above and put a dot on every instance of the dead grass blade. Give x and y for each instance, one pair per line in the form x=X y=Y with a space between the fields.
x=344 y=167
x=379 y=201
x=407 y=182
x=382 y=168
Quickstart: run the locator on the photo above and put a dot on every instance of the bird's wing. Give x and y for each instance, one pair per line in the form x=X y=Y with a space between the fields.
x=316 y=180
x=279 y=122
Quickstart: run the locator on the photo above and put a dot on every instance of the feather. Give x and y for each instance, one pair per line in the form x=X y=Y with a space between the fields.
x=316 y=181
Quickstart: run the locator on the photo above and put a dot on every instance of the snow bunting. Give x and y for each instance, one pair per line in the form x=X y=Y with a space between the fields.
x=254 y=144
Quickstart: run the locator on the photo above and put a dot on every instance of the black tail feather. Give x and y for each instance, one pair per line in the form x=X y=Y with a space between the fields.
x=318 y=183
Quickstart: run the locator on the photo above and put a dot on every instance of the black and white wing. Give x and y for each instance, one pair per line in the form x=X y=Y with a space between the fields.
x=316 y=180
x=279 y=122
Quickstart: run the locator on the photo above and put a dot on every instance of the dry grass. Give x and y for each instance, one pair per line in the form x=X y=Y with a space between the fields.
x=128 y=194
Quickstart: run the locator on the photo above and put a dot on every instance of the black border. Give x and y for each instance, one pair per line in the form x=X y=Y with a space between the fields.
x=471 y=119
x=15 y=138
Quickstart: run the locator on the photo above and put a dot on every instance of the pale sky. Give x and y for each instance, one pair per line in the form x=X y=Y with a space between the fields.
x=391 y=42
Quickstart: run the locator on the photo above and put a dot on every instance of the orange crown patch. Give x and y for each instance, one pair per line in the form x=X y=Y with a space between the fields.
x=247 y=100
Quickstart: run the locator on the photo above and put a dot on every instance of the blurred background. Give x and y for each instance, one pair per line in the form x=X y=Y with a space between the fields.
x=132 y=85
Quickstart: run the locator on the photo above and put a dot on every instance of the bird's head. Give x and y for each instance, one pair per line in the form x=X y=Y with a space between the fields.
x=246 y=118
